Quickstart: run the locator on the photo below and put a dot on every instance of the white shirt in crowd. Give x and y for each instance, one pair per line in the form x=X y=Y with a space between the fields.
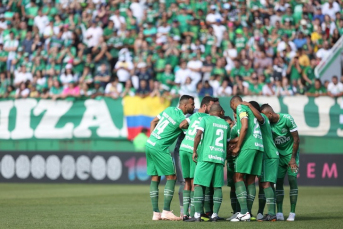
x=322 y=53
x=213 y=17
x=218 y=32
x=181 y=75
x=96 y=33
x=137 y=10
x=282 y=46
x=11 y=44
x=114 y=90
x=20 y=77
x=332 y=27
x=188 y=89
x=23 y=93
x=267 y=91
x=41 y=22
x=222 y=92
x=66 y=78
x=117 y=20
x=215 y=84
x=335 y=89
x=123 y=74
x=195 y=75
x=331 y=12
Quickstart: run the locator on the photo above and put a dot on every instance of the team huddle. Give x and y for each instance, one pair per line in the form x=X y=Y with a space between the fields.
x=256 y=142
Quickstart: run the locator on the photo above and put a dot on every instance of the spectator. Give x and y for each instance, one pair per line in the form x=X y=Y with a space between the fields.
x=22 y=76
x=224 y=90
x=317 y=89
x=323 y=52
x=239 y=88
x=72 y=90
x=123 y=69
x=167 y=78
x=22 y=91
x=93 y=35
x=56 y=90
x=129 y=90
x=113 y=89
x=10 y=46
x=330 y=8
x=267 y=89
x=68 y=76
x=335 y=88
x=206 y=90
x=103 y=75
x=195 y=66
x=255 y=88
x=183 y=73
x=97 y=91
x=189 y=87
x=143 y=90
x=143 y=74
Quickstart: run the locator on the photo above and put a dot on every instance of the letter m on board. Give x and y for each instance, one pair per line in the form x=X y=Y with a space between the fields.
x=329 y=172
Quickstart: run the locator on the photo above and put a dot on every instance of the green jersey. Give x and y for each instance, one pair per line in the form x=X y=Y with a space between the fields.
x=167 y=129
x=270 y=150
x=282 y=133
x=193 y=121
x=253 y=137
x=216 y=134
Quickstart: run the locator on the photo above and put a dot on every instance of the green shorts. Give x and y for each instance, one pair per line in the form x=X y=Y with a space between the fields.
x=283 y=166
x=159 y=162
x=209 y=174
x=269 y=170
x=249 y=162
x=230 y=171
x=187 y=164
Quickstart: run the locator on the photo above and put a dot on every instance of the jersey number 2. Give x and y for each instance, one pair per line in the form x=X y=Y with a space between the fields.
x=219 y=139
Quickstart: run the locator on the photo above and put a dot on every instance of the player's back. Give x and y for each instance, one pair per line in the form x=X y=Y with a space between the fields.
x=270 y=149
x=215 y=134
x=167 y=129
x=282 y=133
x=188 y=141
x=253 y=136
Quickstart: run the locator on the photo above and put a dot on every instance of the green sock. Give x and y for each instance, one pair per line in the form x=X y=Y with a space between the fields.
x=186 y=201
x=207 y=200
x=251 y=196
x=270 y=199
x=168 y=194
x=241 y=193
x=192 y=204
x=233 y=199
x=198 y=198
x=217 y=199
x=154 y=195
x=261 y=200
x=293 y=192
x=279 y=194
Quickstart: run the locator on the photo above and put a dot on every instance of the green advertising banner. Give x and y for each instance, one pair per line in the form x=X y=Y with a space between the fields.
x=33 y=124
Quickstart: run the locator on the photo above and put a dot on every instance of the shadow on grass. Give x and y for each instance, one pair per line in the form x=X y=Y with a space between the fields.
x=310 y=218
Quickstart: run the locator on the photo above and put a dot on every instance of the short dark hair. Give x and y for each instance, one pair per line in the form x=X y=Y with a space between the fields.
x=318 y=80
x=236 y=98
x=144 y=130
x=185 y=98
x=334 y=77
x=227 y=118
x=265 y=106
x=256 y=105
x=206 y=100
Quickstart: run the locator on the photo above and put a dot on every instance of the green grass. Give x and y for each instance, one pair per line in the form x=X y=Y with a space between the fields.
x=123 y=206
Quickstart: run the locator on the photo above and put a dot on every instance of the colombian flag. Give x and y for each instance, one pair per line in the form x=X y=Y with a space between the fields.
x=139 y=112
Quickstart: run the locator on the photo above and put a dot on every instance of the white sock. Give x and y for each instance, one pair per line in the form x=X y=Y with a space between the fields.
x=196 y=215
x=214 y=215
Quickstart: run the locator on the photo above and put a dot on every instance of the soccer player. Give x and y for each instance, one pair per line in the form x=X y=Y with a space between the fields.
x=270 y=161
x=249 y=149
x=164 y=130
x=210 y=157
x=186 y=152
x=286 y=138
x=231 y=168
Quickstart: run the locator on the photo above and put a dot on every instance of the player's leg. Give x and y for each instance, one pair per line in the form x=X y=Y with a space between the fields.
x=192 y=171
x=208 y=201
x=261 y=201
x=279 y=190
x=179 y=177
x=155 y=180
x=165 y=166
x=185 y=165
x=251 y=193
x=293 y=193
x=217 y=183
x=202 y=178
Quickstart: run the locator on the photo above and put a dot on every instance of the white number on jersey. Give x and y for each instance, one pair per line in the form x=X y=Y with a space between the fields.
x=162 y=124
x=192 y=131
x=219 y=139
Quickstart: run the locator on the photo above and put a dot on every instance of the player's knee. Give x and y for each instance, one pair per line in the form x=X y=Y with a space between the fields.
x=171 y=177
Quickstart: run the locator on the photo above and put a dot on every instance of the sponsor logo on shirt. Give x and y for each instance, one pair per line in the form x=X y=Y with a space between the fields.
x=258 y=136
x=156 y=135
x=212 y=148
x=151 y=143
x=189 y=138
x=215 y=157
x=169 y=118
x=281 y=140
x=258 y=145
x=187 y=146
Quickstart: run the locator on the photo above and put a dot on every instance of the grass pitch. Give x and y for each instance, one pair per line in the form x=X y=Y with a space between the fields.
x=124 y=206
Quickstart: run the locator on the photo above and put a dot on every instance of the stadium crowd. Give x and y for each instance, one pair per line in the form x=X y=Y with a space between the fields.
x=65 y=48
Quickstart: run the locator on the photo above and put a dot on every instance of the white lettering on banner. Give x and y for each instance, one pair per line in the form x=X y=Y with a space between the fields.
x=54 y=111
x=97 y=115
x=98 y=168
x=114 y=168
x=298 y=103
x=22 y=128
x=83 y=165
x=5 y=109
x=22 y=167
x=68 y=167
